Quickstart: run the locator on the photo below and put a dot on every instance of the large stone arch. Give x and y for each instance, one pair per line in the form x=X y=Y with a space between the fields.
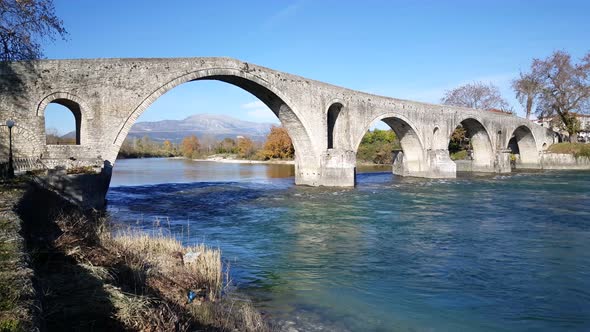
x=278 y=103
x=411 y=161
x=526 y=146
x=481 y=141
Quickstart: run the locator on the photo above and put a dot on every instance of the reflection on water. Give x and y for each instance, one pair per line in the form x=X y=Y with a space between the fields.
x=129 y=172
x=489 y=253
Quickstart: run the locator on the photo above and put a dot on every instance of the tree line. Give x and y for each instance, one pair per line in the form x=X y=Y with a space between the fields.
x=278 y=145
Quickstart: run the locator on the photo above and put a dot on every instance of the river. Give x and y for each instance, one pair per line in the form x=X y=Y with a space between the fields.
x=476 y=253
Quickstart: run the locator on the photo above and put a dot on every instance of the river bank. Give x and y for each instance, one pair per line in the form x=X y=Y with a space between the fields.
x=222 y=159
x=225 y=159
x=68 y=269
x=18 y=299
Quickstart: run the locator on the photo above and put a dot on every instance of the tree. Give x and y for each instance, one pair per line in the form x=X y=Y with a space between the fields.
x=245 y=147
x=565 y=88
x=23 y=25
x=208 y=142
x=476 y=95
x=190 y=146
x=227 y=145
x=377 y=147
x=527 y=89
x=458 y=138
x=168 y=148
x=278 y=144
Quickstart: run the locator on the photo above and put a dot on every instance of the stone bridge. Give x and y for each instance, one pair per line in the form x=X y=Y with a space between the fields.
x=325 y=122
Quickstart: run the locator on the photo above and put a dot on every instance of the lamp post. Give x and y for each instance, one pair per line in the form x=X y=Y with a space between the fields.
x=10 y=124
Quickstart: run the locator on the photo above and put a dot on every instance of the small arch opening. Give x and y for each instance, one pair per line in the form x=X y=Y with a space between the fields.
x=435 y=131
x=523 y=148
x=62 y=122
x=333 y=113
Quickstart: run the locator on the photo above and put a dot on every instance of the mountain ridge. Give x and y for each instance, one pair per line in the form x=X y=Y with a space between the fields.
x=217 y=125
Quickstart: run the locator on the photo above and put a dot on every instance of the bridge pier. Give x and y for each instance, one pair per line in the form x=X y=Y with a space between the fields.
x=502 y=162
x=440 y=165
x=337 y=168
x=436 y=164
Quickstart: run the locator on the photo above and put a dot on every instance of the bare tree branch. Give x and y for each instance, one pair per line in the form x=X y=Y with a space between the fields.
x=476 y=95
x=564 y=88
x=23 y=25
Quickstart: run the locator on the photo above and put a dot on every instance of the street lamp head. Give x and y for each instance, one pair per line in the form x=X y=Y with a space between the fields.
x=9 y=124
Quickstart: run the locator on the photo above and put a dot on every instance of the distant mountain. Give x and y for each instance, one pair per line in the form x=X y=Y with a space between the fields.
x=219 y=126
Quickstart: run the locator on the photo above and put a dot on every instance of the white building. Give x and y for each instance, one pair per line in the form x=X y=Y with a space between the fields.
x=583 y=135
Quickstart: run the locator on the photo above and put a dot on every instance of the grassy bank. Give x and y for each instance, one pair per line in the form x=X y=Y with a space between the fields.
x=577 y=149
x=89 y=277
x=17 y=294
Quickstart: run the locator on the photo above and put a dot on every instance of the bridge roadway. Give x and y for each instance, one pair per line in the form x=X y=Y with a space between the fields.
x=325 y=122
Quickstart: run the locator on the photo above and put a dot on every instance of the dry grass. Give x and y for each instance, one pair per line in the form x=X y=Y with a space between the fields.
x=167 y=256
x=159 y=254
x=90 y=277
x=17 y=295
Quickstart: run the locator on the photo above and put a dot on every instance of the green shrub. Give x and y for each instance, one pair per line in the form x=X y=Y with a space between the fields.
x=460 y=155
x=10 y=325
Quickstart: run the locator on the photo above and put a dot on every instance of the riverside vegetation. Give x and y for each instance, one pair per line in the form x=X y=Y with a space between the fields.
x=67 y=269
x=577 y=149
x=278 y=145
x=376 y=147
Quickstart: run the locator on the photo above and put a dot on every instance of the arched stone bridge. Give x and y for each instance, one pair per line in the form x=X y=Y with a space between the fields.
x=325 y=122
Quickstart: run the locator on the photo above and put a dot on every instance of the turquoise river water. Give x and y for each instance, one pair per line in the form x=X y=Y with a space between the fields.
x=476 y=253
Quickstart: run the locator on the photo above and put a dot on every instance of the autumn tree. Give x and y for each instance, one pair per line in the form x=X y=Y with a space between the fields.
x=278 y=144
x=564 y=89
x=527 y=88
x=190 y=146
x=245 y=147
x=23 y=25
x=476 y=95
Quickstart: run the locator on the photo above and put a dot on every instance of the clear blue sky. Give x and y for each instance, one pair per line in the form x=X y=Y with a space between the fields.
x=406 y=49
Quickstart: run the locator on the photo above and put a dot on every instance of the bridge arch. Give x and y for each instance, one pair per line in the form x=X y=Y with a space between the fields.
x=334 y=111
x=75 y=104
x=481 y=141
x=523 y=142
x=277 y=102
x=410 y=141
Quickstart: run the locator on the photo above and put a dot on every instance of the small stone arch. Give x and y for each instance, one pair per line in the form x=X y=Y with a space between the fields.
x=70 y=101
x=25 y=142
x=332 y=115
x=524 y=143
x=66 y=99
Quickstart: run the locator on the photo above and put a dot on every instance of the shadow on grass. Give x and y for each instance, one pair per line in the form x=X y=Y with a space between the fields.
x=83 y=286
x=71 y=297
